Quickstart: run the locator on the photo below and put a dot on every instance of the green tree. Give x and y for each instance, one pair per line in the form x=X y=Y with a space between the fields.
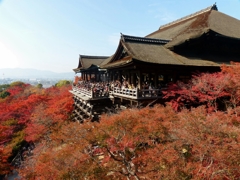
x=39 y=86
x=4 y=87
x=62 y=83
x=18 y=83
x=4 y=94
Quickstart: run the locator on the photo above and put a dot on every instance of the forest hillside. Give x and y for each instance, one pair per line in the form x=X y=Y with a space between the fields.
x=195 y=135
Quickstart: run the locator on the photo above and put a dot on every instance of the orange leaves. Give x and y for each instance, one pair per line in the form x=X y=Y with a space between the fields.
x=149 y=143
x=6 y=133
x=174 y=145
x=30 y=113
x=204 y=88
x=76 y=79
x=4 y=165
x=216 y=90
x=60 y=104
x=35 y=132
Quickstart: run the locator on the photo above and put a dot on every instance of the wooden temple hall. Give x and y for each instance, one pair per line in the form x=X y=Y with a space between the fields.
x=141 y=67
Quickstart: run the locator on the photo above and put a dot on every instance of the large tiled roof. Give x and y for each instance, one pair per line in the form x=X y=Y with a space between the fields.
x=151 y=52
x=159 y=54
x=197 y=24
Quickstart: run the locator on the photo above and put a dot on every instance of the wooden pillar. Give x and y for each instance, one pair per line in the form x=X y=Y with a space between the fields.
x=132 y=78
x=113 y=75
x=82 y=74
x=128 y=76
x=149 y=78
x=110 y=75
x=155 y=79
x=104 y=77
x=95 y=76
x=120 y=76
x=139 y=79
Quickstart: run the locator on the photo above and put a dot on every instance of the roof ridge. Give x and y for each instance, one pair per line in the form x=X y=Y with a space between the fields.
x=143 y=39
x=93 y=57
x=213 y=7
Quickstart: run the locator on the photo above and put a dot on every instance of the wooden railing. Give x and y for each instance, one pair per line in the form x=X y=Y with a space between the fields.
x=137 y=93
x=146 y=93
x=128 y=93
x=83 y=91
x=90 y=93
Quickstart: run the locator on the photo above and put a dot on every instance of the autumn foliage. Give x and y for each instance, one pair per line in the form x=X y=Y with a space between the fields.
x=193 y=136
x=26 y=115
x=217 y=91
x=150 y=143
x=76 y=79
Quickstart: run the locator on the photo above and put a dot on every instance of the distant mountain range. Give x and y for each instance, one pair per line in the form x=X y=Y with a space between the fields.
x=33 y=74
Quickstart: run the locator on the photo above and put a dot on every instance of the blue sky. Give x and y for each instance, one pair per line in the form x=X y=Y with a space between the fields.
x=50 y=34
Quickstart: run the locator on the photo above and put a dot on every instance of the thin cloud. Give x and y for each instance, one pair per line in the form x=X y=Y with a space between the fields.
x=161 y=11
x=166 y=17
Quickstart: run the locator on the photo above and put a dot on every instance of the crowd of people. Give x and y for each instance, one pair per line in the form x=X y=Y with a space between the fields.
x=100 y=89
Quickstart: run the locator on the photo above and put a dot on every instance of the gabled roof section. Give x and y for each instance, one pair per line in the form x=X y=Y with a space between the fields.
x=213 y=7
x=123 y=52
x=174 y=28
x=86 y=61
x=197 y=24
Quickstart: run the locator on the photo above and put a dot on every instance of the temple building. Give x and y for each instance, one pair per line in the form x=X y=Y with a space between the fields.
x=88 y=66
x=142 y=66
